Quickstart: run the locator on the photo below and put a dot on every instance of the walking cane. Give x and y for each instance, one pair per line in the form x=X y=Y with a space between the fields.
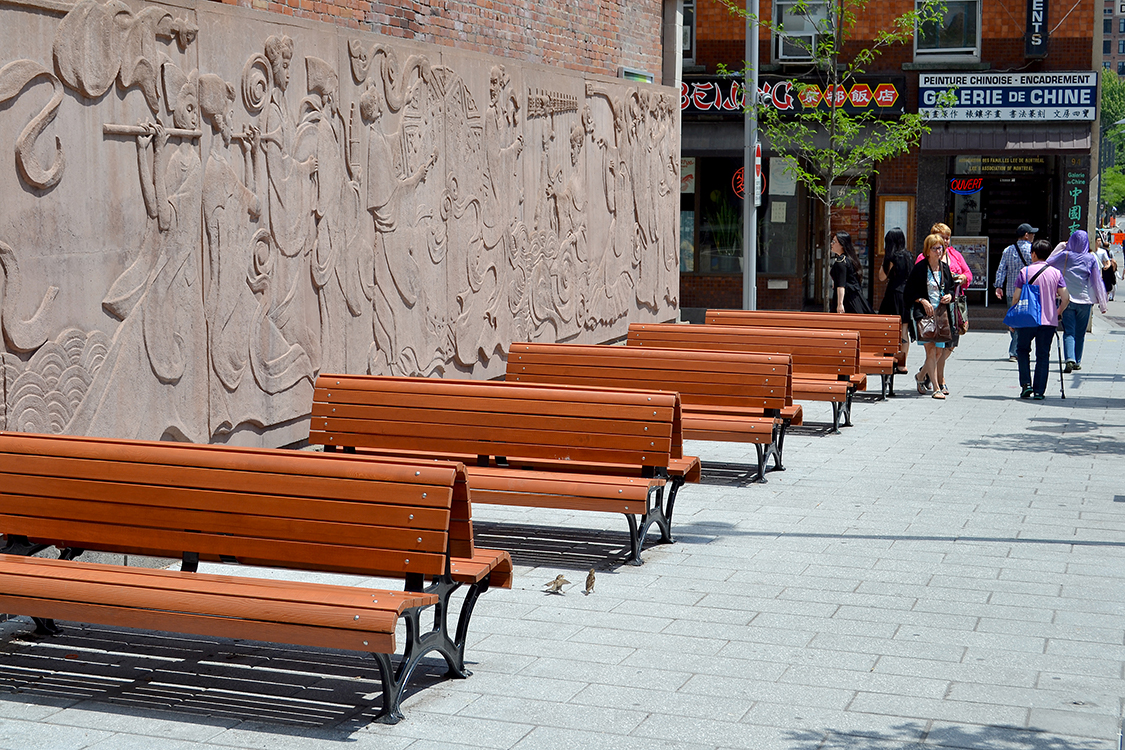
x=1062 y=385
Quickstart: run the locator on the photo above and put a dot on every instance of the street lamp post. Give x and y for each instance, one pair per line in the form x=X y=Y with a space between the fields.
x=749 y=180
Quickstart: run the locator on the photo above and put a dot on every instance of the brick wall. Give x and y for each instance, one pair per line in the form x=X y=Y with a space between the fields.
x=724 y=292
x=593 y=36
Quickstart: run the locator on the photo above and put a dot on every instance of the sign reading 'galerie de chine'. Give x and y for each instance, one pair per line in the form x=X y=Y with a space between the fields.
x=1008 y=96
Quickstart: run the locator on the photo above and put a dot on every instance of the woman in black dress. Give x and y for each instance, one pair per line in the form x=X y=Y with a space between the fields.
x=847 y=277
x=897 y=265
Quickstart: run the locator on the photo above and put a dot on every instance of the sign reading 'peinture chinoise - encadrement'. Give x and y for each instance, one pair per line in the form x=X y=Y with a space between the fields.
x=1008 y=96
x=204 y=207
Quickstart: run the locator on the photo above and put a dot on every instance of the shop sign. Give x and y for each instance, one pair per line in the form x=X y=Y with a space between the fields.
x=1035 y=38
x=966 y=185
x=1008 y=96
x=725 y=95
x=1001 y=165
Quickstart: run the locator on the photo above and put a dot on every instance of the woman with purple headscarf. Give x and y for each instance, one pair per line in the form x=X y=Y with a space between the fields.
x=1083 y=277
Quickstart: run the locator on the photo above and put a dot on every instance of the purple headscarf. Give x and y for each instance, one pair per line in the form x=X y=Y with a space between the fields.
x=1080 y=269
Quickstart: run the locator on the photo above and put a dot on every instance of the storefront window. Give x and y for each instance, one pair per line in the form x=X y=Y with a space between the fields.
x=720 y=216
x=688 y=43
x=801 y=22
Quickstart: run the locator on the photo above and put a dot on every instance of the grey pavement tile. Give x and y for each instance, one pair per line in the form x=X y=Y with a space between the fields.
x=946 y=734
x=625 y=674
x=869 y=680
x=1074 y=723
x=881 y=646
x=570 y=739
x=755 y=690
x=1093 y=667
x=993 y=676
x=17 y=734
x=929 y=634
x=169 y=724
x=925 y=708
x=558 y=648
x=724 y=734
x=558 y=714
x=31 y=707
x=1074 y=701
x=812 y=725
x=720 y=707
x=873 y=615
x=688 y=644
x=1055 y=630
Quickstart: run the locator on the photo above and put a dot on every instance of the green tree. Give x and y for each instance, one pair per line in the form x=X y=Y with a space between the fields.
x=1113 y=108
x=1113 y=187
x=834 y=153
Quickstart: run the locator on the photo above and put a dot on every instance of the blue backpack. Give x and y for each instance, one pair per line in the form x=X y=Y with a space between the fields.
x=1028 y=311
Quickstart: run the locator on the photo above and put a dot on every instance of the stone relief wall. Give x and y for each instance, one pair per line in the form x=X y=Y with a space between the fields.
x=208 y=207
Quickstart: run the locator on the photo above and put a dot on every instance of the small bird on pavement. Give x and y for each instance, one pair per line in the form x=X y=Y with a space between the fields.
x=555 y=586
x=589 y=582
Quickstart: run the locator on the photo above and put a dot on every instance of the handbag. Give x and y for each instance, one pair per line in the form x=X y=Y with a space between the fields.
x=1028 y=311
x=961 y=311
x=934 y=329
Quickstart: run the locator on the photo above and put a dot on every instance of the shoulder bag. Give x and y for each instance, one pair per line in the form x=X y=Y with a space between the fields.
x=934 y=329
x=1028 y=311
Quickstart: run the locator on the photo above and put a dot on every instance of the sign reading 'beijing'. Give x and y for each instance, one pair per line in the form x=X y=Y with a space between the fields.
x=1008 y=96
x=725 y=95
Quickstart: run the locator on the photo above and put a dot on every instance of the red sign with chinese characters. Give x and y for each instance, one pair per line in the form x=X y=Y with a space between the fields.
x=725 y=95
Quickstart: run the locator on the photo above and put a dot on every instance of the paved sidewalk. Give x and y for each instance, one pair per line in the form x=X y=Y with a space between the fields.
x=945 y=574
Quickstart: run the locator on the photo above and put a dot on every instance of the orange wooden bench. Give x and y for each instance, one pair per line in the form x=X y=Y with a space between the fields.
x=299 y=510
x=726 y=396
x=526 y=445
x=825 y=363
x=879 y=335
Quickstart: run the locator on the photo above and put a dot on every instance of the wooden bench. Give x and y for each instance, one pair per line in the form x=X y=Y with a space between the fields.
x=825 y=363
x=880 y=336
x=526 y=445
x=726 y=396
x=284 y=509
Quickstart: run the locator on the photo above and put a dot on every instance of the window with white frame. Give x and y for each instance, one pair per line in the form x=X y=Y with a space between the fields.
x=800 y=23
x=689 y=31
x=954 y=33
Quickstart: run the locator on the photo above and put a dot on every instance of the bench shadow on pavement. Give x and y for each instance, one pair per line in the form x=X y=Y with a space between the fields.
x=171 y=677
x=562 y=547
x=916 y=734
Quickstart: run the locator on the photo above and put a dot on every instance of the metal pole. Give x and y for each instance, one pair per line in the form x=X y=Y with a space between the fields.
x=749 y=183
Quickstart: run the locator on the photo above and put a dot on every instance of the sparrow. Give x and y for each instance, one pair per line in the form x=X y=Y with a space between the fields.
x=555 y=586
x=589 y=582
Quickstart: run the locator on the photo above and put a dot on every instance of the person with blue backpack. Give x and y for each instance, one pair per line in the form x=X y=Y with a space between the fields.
x=1038 y=299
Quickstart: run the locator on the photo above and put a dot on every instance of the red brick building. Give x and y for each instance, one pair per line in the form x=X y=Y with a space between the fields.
x=1032 y=155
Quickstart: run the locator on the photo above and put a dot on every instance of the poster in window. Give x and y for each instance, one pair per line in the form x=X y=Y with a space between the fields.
x=975 y=251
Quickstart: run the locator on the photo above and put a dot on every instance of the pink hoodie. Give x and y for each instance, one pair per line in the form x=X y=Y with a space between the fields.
x=957 y=265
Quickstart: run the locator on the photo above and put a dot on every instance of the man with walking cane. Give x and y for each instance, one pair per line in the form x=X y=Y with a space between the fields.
x=1035 y=317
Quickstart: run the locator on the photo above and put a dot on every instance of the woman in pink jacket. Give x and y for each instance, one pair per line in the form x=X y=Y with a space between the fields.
x=962 y=276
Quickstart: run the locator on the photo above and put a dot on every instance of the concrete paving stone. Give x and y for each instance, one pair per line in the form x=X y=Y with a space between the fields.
x=922 y=594
x=559 y=687
x=719 y=733
x=1093 y=606
x=871 y=615
x=570 y=739
x=1054 y=631
x=684 y=614
x=624 y=674
x=420 y=725
x=848 y=598
x=558 y=648
x=1079 y=683
x=957 y=672
x=737 y=660
x=1074 y=723
x=584 y=618
x=1087 y=619
x=871 y=681
x=17 y=734
x=1094 y=667
x=881 y=646
x=720 y=707
x=946 y=734
x=522 y=627
x=781 y=656
x=822 y=723
x=966 y=638
x=695 y=645
x=555 y=713
x=1079 y=702
x=925 y=708
x=752 y=690
x=1085 y=649
x=775 y=606
x=31 y=708
x=828 y=625
x=916 y=578
x=111 y=718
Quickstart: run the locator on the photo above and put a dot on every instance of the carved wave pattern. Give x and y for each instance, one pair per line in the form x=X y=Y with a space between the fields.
x=42 y=394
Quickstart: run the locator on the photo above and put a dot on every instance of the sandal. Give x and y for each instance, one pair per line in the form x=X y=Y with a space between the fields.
x=921 y=385
x=901 y=370
x=944 y=389
x=938 y=394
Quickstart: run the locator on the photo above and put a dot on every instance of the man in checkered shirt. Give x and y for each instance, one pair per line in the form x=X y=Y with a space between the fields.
x=1015 y=257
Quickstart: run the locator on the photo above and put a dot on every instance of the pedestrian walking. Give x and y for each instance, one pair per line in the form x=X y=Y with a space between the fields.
x=1108 y=264
x=929 y=290
x=847 y=277
x=1016 y=256
x=1053 y=300
x=1083 y=277
x=895 y=270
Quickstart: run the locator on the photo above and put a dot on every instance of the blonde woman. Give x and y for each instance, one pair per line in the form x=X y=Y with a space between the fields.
x=930 y=285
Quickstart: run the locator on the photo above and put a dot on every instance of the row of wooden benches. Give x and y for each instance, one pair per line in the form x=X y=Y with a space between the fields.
x=558 y=435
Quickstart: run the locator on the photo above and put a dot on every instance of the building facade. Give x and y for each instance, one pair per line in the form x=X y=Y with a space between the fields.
x=1021 y=130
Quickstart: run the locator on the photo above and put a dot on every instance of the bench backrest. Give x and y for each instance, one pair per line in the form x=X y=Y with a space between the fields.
x=296 y=509
x=832 y=355
x=878 y=334
x=431 y=416
x=700 y=377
